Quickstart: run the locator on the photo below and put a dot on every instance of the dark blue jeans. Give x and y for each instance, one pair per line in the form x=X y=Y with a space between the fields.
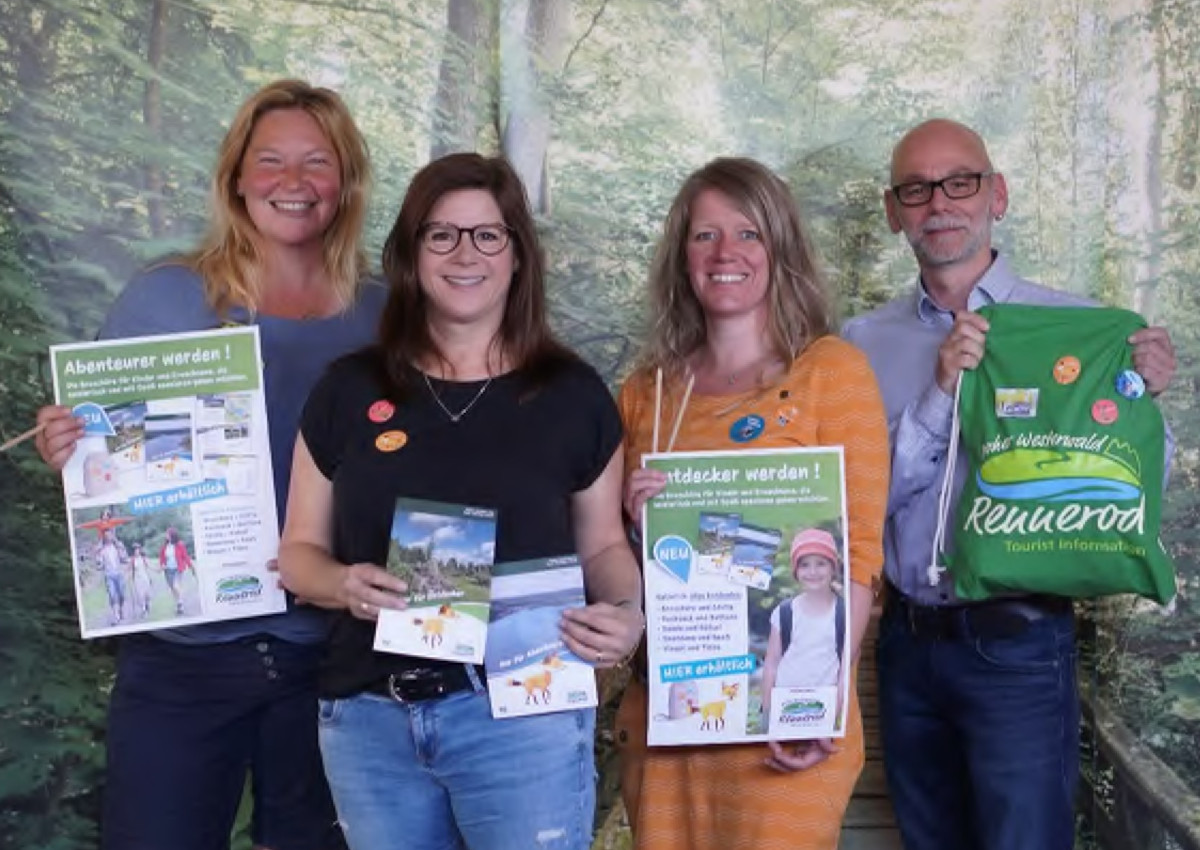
x=187 y=723
x=981 y=736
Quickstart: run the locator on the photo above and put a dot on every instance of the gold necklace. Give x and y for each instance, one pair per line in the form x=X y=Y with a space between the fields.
x=454 y=417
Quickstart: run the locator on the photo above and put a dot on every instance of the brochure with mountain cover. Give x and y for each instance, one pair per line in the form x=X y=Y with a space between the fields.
x=444 y=553
x=529 y=668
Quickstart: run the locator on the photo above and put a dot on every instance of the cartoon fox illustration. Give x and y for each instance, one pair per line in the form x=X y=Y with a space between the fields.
x=540 y=682
x=433 y=628
x=715 y=711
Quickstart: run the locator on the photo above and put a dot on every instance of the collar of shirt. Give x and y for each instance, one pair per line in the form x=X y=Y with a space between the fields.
x=995 y=287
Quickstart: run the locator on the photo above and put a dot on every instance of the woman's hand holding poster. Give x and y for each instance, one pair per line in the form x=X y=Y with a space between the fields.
x=745 y=572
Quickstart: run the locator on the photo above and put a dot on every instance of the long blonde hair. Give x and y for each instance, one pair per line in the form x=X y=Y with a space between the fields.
x=800 y=309
x=231 y=257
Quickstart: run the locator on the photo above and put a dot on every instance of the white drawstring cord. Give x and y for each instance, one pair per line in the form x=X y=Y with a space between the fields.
x=935 y=569
x=658 y=398
x=687 y=395
x=658 y=381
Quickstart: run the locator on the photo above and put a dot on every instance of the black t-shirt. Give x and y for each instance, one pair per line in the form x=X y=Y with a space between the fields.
x=523 y=452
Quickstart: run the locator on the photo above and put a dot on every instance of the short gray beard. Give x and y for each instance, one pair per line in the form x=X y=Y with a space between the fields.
x=974 y=243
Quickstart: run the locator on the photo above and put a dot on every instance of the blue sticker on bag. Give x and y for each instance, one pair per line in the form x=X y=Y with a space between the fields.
x=1130 y=384
x=747 y=428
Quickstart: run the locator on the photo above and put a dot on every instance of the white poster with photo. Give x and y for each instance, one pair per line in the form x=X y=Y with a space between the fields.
x=170 y=496
x=747 y=616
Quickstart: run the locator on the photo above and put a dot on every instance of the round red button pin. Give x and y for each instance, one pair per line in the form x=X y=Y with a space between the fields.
x=381 y=411
x=1104 y=411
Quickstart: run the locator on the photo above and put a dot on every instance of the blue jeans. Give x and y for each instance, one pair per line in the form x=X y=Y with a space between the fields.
x=115 y=586
x=981 y=736
x=188 y=722
x=442 y=774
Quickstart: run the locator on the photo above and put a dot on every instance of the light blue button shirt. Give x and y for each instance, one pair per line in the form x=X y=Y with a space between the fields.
x=902 y=339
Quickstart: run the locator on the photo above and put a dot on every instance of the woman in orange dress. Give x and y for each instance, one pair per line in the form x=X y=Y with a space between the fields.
x=742 y=316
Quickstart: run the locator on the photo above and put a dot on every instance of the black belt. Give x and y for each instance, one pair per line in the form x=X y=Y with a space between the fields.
x=421 y=683
x=995 y=618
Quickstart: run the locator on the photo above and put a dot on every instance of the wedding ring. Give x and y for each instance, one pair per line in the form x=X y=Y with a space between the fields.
x=364 y=606
x=599 y=657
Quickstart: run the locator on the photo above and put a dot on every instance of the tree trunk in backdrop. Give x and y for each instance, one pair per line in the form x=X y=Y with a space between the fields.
x=464 y=77
x=152 y=115
x=536 y=41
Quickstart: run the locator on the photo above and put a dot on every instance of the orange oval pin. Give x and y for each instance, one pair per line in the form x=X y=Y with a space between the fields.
x=390 y=441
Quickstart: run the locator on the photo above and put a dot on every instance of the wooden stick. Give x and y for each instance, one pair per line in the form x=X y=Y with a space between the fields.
x=658 y=381
x=687 y=394
x=20 y=438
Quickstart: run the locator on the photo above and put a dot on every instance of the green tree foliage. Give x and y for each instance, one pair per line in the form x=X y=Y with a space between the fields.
x=53 y=687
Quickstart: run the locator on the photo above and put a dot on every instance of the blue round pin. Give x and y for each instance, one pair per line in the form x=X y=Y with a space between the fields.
x=747 y=428
x=1130 y=384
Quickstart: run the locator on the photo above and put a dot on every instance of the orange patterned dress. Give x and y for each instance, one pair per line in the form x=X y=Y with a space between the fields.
x=725 y=797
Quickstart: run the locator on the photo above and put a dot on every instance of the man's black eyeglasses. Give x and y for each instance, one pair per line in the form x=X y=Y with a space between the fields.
x=489 y=239
x=955 y=187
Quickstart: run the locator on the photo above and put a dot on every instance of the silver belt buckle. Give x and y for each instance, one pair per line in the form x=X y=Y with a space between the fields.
x=391 y=686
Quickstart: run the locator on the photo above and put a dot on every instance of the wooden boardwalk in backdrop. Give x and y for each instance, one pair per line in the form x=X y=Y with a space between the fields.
x=869 y=824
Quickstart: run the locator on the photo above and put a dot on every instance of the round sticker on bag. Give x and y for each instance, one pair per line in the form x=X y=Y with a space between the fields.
x=1130 y=384
x=1105 y=411
x=1067 y=369
x=747 y=428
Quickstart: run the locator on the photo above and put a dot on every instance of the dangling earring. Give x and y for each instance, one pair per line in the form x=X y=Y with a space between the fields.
x=999 y=216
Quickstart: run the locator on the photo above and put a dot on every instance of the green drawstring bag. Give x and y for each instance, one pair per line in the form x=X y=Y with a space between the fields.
x=1065 y=461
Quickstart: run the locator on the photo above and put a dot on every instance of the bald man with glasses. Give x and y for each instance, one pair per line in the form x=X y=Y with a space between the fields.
x=978 y=701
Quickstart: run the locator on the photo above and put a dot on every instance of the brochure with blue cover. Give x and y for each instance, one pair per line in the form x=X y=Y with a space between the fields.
x=529 y=668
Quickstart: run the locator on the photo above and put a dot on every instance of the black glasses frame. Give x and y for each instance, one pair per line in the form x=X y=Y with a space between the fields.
x=488 y=251
x=930 y=186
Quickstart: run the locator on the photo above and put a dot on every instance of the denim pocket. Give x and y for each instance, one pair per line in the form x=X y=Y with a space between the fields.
x=329 y=711
x=1037 y=650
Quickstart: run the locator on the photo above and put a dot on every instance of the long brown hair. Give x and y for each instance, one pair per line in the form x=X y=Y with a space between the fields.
x=524 y=337
x=231 y=257
x=800 y=307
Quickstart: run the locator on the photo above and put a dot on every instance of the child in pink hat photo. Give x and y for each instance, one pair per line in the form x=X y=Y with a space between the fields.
x=804 y=649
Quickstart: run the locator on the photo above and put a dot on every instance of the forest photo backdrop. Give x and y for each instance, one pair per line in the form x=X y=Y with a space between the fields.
x=112 y=110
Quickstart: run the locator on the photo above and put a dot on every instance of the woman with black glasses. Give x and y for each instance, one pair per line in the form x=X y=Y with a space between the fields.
x=469 y=400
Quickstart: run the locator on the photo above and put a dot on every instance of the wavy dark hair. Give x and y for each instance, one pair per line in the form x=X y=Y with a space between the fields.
x=524 y=336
